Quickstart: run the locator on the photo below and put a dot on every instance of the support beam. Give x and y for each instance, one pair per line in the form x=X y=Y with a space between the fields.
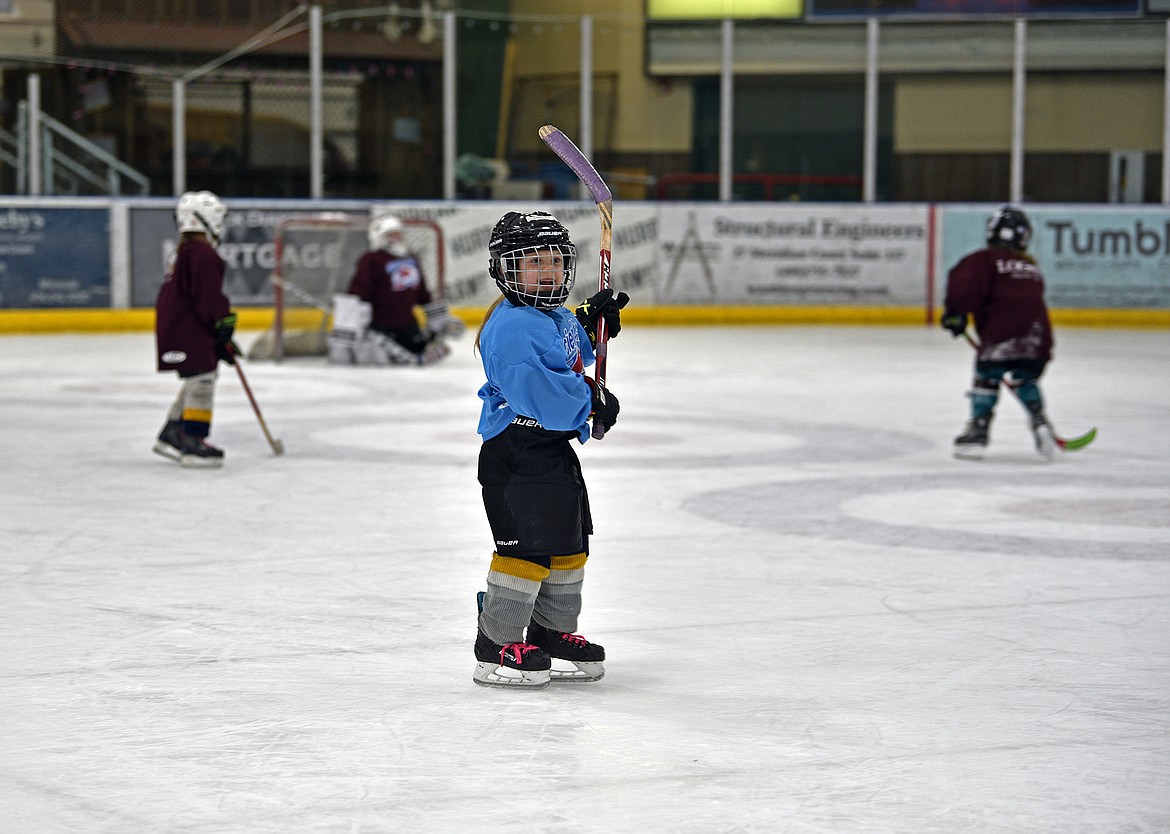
x=1018 y=84
x=726 y=111
x=586 y=105
x=869 y=153
x=316 y=124
x=449 y=125
x=178 y=136
x=34 y=136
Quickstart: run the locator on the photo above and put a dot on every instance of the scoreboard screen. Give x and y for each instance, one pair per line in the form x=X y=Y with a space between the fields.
x=671 y=10
x=971 y=8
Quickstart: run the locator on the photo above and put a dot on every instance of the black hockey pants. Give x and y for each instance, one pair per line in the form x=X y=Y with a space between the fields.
x=534 y=494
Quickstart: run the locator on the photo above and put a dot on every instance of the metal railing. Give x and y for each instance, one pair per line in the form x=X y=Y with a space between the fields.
x=70 y=163
x=9 y=149
x=770 y=183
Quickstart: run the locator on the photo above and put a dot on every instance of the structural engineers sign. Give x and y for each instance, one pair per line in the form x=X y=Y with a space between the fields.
x=767 y=254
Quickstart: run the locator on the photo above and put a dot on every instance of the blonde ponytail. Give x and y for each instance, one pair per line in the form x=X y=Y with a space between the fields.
x=483 y=323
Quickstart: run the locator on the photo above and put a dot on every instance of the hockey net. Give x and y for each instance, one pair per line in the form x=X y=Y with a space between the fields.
x=315 y=258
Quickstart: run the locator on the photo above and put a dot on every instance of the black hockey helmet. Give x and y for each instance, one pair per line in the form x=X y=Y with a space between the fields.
x=1009 y=227
x=518 y=236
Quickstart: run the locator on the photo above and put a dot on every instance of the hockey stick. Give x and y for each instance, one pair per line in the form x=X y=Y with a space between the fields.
x=1069 y=444
x=571 y=155
x=274 y=442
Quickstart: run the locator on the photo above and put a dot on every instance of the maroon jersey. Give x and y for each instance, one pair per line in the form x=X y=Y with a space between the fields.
x=1004 y=291
x=393 y=286
x=190 y=302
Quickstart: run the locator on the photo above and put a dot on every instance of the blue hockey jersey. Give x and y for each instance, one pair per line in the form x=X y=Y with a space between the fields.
x=534 y=361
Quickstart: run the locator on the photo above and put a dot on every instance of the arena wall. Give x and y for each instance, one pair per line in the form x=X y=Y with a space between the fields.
x=92 y=265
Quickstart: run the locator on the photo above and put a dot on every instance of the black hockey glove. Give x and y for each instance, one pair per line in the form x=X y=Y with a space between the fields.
x=954 y=322
x=225 y=348
x=602 y=304
x=605 y=405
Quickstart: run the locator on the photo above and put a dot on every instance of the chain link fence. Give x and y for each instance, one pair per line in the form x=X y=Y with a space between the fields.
x=243 y=98
x=219 y=95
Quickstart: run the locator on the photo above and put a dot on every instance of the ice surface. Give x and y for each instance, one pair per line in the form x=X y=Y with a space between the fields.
x=816 y=619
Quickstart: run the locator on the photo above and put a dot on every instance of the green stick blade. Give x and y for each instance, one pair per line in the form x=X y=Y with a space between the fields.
x=1073 y=443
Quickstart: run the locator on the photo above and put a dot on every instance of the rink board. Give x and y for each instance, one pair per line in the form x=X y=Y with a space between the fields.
x=13 y=322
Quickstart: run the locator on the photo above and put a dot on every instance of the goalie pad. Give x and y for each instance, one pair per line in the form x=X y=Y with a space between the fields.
x=435 y=351
x=440 y=322
x=379 y=349
x=340 y=348
x=351 y=342
x=351 y=314
x=351 y=317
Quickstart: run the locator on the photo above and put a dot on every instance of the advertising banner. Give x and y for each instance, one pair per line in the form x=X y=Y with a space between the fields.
x=55 y=254
x=54 y=257
x=792 y=254
x=1090 y=257
x=250 y=252
x=247 y=246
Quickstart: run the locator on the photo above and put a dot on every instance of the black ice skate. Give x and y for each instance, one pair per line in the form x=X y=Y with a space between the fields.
x=198 y=453
x=514 y=665
x=971 y=444
x=587 y=658
x=170 y=441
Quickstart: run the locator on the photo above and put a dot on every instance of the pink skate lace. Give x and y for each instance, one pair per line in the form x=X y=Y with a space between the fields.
x=576 y=639
x=518 y=651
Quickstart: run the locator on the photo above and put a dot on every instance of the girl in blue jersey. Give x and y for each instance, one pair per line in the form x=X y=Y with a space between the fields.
x=536 y=401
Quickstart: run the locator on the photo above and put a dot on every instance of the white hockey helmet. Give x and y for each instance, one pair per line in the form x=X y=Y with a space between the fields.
x=385 y=232
x=201 y=211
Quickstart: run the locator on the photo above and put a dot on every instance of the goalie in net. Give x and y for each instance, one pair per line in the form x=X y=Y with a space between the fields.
x=362 y=292
x=375 y=323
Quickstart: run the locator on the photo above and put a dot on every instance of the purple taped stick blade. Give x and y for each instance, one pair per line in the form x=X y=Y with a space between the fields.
x=571 y=155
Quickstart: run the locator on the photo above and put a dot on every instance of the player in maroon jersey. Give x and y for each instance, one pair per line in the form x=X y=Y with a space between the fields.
x=1002 y=289
x=194 y=324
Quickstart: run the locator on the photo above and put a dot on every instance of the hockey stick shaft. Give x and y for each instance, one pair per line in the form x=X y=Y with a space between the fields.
x=1069 y=444
x=571 y=155
x=274 y=442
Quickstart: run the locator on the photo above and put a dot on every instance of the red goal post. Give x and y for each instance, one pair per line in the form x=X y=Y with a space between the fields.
x=315 y=257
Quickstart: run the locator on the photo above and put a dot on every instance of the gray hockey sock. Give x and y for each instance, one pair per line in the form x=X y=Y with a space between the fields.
x=559 y=602
x=507 y=605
